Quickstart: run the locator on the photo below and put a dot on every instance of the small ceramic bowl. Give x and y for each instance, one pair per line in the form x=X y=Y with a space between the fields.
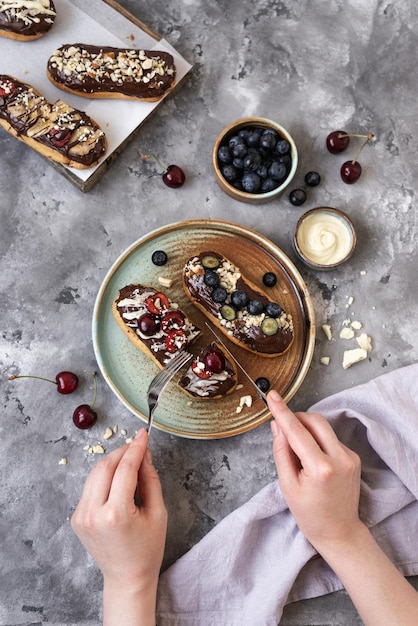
x=232 y=130
x=324 y=238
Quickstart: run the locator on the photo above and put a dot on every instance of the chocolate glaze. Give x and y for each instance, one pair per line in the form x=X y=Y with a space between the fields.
x=212 y=387
x=253 y=337
x=36 y=24
x=99 y=80
x=40 y=109
x=156 y=344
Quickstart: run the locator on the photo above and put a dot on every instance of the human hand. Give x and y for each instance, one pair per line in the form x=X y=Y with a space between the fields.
x=126 y=541
x=318 y=475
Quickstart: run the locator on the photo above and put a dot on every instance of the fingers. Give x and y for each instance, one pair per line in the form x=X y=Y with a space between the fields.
x=149 y=486
x=98 y=482
x=308 y=435
x=125 y=477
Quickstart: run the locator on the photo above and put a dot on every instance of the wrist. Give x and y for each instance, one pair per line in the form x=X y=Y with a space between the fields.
x=128 y=603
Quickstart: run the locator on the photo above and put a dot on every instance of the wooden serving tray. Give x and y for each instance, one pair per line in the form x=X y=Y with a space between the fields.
x=104 y=165
x=97 y=22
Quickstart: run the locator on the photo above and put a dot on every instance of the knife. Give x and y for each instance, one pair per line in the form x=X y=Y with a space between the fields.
x=260 y=393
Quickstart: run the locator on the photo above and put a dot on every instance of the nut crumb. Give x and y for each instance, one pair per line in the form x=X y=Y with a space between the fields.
x=346 y=333
x=350 y=301
x=363 y=272
x=325 y=360
x=63 y=461
x=97 y=449
x=128 y=439
x=327 y=331
x=165 y=282
x=123 y=431
x=356 y=325
x=108 y=433
x=365 y=342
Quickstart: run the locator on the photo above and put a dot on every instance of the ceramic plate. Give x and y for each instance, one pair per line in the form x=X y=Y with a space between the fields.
x=128 y=371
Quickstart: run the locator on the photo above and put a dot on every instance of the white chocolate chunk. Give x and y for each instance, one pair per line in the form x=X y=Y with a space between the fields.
x=346 y=333
x=327 y=331
x=353 y=356
x=325 y=360
x=365 y=342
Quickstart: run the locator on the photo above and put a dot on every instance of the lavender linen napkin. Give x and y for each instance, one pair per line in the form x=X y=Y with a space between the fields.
x=256 y=560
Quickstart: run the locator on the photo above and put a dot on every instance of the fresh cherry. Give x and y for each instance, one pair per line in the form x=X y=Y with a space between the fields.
x=66 y=382
x=351 y=170
x=148 y=325
x=84 y=416
x=173 y=175
x=214 y=361
x=337 y=141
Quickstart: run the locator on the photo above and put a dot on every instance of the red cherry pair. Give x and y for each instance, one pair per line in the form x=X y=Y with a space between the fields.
x=337 y=142
x=67 y=382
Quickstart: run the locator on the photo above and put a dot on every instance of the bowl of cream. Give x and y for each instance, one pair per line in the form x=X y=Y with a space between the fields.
x=324 y=238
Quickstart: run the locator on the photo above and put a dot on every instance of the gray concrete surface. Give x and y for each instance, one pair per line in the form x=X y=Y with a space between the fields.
x=314 y=67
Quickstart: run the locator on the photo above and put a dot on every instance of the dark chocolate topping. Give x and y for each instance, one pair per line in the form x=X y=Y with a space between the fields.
x=30 y=19
x=97 y=69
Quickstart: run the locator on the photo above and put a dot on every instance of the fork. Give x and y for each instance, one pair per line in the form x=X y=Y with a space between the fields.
x=160 y=381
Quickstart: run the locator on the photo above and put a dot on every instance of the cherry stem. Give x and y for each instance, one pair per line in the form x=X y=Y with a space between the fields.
x=152 y=156
x=368 y=138
x=354 y=135
x=13 y=377
x=94 y=389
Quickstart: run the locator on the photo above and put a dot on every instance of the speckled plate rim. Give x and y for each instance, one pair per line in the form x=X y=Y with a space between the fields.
x=107 y=335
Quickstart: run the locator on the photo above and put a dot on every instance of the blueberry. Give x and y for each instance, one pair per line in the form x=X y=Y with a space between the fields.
x=234 y=141
x=159 y=257
x=224 y=154
x=239 y=299
x=282 y=147
x=268 y=141
x=312 y=179
x=263 y=383
x=252 y=161
x=268 y=184
x=255 y=307
x=238 y=163
x=297 y=197
x=277 y=171
x=239 y=150
x=253 y=138
x=251 y=182
x=269 y=279
x=211 y=278
x=219 y=294
x=243 y=133
x=230 y=173
x=286 y=160
x=273 y=309
x=263 y=169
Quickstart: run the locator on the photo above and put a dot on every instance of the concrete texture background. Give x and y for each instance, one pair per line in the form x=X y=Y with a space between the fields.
x=314 y=68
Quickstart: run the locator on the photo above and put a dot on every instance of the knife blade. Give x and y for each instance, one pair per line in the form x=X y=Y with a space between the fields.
x=260 y=393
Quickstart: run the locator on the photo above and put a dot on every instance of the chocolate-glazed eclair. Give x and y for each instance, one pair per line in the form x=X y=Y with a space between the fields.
x=236 y=306
x=25 y=20
x=58 y=131
x=106 y=72
x=153 y=323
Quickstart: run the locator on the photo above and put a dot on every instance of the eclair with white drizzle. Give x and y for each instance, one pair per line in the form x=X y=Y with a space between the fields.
x=26 y=20
x=57 y=131
x=153 y=323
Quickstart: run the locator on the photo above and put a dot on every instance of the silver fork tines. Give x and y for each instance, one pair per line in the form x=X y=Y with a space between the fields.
x=160 y=381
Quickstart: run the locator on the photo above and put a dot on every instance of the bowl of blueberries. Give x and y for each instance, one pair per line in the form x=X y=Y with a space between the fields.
x=254 y=160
